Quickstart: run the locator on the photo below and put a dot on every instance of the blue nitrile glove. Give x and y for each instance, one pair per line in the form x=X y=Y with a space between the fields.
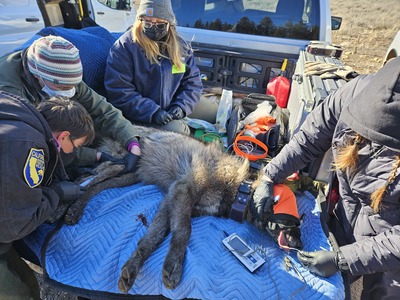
x=67 y=191
x=176 y=112
x=263 y=198
x=130 y=161
x=161 y=117
x=323 y=263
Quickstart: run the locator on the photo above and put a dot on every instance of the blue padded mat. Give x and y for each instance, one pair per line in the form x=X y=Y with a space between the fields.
x=90 y=255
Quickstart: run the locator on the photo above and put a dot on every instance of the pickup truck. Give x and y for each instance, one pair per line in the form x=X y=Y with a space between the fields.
x=241 y=45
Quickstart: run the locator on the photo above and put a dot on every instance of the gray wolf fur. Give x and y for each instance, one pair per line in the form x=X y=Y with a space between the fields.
x=197 y=179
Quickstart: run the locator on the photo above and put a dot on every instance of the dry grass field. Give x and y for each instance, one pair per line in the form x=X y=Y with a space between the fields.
x=368 y=28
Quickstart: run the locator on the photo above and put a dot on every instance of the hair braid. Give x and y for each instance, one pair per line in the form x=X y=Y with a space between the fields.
x=376 y=197
x=348 y=155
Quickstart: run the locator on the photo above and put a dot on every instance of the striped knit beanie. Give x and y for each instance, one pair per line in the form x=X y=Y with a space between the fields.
x=55 y=59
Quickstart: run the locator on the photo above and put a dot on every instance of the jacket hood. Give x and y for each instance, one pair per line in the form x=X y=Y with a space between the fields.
x=16 y=108
x=375 y=112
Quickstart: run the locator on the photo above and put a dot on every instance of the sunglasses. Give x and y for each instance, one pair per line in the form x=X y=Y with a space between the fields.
x=73 y=145
x=159 y=25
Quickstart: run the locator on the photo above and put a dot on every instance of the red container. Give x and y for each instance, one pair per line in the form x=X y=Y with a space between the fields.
x=279 y=87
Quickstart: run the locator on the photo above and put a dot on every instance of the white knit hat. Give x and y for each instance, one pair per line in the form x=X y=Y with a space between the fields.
x=55 y=59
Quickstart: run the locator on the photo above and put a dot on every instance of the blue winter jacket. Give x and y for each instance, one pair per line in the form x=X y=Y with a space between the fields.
x=139 y=88
x=28 y=162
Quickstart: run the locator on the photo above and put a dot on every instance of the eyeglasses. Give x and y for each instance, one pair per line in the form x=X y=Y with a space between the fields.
x=159 y=25
x=73 y=145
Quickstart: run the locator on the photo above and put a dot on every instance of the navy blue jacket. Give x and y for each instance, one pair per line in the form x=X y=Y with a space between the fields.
x=139 y=88
x=29 y=159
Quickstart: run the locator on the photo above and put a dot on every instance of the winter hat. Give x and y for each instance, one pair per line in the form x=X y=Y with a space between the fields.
x=55 y=59
x=375 y=112
x=161 y=9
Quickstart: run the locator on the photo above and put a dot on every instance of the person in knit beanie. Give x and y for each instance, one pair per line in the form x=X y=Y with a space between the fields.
x=151 y=75
x=360 y=122
x=53 y=59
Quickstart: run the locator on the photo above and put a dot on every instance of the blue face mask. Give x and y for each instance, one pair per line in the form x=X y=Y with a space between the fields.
x=59 y=93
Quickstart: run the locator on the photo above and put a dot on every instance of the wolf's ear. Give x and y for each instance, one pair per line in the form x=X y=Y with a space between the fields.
x=230 y=173
x=234 y=171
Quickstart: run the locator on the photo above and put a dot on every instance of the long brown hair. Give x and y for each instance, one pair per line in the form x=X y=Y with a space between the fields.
x=348 y=155
x=348 y=158
x=153 y=50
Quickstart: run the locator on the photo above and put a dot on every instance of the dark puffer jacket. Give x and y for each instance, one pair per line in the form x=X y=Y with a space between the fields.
x=371 y=241
x=28 y=161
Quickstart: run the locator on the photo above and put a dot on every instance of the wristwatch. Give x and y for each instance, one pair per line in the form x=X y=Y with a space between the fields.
x=342 y=262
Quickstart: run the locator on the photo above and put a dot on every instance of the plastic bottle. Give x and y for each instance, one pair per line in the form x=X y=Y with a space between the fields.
x=263 y=109
x=224 y=111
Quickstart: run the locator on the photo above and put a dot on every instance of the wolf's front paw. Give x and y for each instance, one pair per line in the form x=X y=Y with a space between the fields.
x=171 y=274
x=74 y=213
x=128 y=276
x=58 y=214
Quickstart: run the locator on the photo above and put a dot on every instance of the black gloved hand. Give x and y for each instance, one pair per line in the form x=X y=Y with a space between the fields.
x=323 y=263
x=161 y=117
x=67 y=191
x=176 y=112
x=130 y=161
x=107 y=157
x=263 y=199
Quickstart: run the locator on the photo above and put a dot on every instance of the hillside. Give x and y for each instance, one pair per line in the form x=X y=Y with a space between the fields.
x=367 y=30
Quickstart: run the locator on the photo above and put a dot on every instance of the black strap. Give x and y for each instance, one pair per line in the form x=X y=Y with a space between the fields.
x=243 y=197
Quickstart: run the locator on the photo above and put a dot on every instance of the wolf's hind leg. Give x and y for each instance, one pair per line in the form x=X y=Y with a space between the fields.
x=75 y=211
x=181 y=228
x=158 y=230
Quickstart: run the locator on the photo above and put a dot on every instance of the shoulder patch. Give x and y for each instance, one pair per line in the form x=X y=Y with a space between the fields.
x=34 y=167
x=176 y=70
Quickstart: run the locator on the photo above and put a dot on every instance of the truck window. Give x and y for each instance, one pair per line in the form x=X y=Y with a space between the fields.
x=117 y=4
x=296 y=19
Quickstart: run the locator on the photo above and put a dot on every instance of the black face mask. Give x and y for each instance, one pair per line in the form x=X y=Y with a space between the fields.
x=155 y=34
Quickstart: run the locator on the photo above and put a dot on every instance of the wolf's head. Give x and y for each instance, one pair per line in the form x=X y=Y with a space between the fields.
x=216 y=177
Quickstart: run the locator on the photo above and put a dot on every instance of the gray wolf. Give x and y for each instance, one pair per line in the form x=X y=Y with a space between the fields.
x=197 y=179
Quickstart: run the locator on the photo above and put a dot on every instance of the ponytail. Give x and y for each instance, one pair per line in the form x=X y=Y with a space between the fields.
x=348 y=155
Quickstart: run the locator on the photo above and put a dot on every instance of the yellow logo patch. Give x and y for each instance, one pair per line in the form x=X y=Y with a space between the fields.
x=175 y=69
x=34 y=167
